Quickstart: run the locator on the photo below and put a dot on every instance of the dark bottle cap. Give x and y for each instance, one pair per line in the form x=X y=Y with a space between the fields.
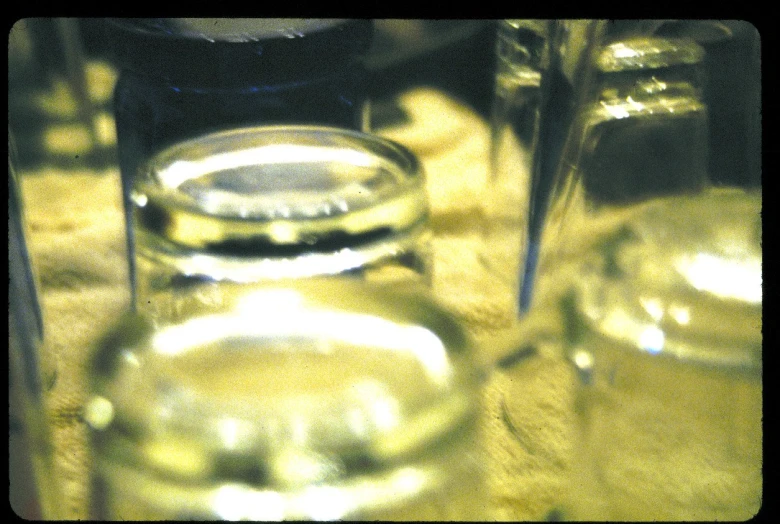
x=231 y=52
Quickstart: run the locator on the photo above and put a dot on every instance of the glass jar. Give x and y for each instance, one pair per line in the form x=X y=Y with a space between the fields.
x=641 y=134
x=277 y=202
x=664 y=330
x=184 y=77
x=315 y=399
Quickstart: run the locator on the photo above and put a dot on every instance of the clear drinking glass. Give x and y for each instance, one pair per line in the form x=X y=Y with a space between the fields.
x=332 y=399
x=541 y=72
x=664 y=329
x=651 y=122
x=660 y=247
x=523 y=49
x=180 y=78
x=277 y=202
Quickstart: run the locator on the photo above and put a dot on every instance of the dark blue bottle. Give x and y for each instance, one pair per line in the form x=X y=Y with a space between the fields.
x=181 y=78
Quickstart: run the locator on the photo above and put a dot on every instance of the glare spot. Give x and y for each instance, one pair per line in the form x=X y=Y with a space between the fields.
x=652 y=339
x=297 y=466
x=638 y=106
x=140 y=199
x=583 y=359
x=382 y=407
x=681 y=315
x=408 y=481
x=653 y=307
x=201 y=331
x=616 y=110
x=180 y=171
x=299 y=428
x=237 y=503
x=99 y=412
x=326 y=503
x=620 y=50
x=739 y=279
x=385 y=414
x=228 y=432
x=268 y=301
x=283 y=232
x=357 y=422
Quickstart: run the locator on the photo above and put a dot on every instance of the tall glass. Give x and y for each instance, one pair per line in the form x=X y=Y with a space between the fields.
x=523 y=49
x=662 y=318
x=542 y=71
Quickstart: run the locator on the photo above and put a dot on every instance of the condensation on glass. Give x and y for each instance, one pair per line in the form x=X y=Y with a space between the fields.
x=277 y=202
x=315 y=399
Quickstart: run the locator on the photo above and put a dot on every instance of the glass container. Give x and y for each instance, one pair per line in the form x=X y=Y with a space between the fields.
x=277 y=202
x=330 y=399
x=184 y=77
x=641 y=134
x=664 y=330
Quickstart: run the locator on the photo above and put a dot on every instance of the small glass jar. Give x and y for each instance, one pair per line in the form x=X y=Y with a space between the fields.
x=277 y=202
x=326 y=399
x=664 y=330
x=642 y=134
x=632 y=127
x=183 y=77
